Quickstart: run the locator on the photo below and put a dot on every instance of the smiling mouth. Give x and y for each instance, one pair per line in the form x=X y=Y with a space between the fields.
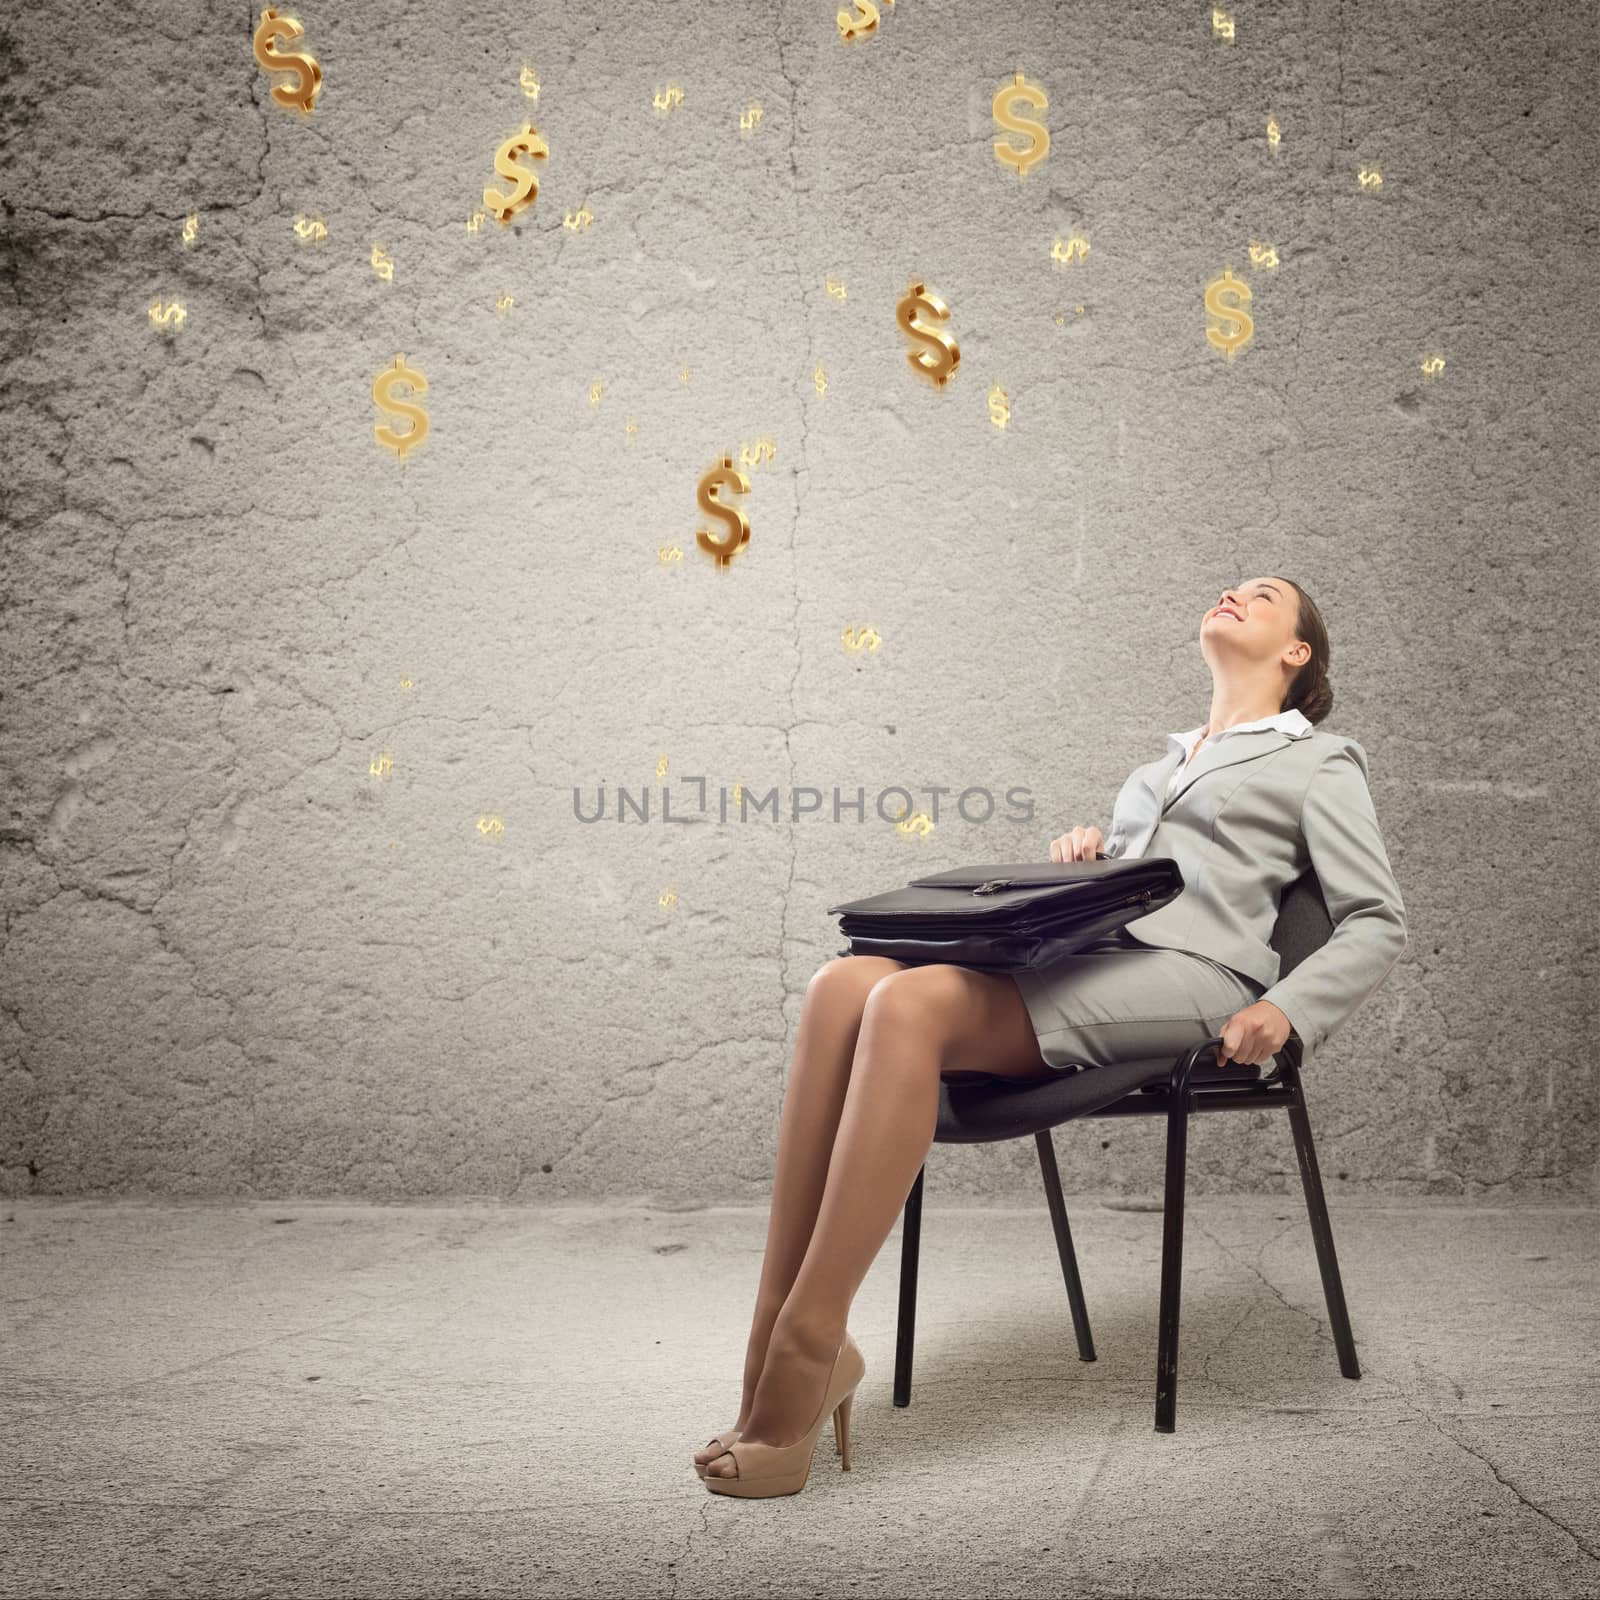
x=1222 y=611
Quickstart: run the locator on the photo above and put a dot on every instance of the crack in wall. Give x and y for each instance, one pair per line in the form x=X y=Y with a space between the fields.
x=801 y=469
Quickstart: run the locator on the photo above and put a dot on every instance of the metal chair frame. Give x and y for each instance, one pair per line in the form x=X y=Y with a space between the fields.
x=1302 y=926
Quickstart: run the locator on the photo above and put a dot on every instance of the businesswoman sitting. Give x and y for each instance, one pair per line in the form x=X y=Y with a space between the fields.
x=1242 y=803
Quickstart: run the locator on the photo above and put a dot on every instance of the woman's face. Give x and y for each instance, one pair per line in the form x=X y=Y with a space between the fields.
x=1253 y=622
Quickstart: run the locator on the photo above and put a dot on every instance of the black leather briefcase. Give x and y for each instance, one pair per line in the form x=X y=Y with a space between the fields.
x=1007 y=916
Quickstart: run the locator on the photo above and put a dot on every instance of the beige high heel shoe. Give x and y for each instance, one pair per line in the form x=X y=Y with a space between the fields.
x=769 y=1469
x=726 y=1437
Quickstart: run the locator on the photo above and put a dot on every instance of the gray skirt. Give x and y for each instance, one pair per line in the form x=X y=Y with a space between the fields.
x=1118 y=999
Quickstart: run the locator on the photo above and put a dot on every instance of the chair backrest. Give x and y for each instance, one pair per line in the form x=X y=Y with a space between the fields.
x=1303 y=924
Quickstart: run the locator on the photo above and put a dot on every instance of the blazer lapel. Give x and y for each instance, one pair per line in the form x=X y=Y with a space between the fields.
x=1154 y=775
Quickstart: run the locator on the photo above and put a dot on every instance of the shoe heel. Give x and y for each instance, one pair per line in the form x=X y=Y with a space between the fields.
x=841 y=1427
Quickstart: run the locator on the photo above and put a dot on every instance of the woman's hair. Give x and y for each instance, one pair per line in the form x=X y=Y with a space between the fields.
x=1309 y=691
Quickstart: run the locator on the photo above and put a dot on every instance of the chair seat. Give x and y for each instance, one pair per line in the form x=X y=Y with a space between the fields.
x=1009 y=1108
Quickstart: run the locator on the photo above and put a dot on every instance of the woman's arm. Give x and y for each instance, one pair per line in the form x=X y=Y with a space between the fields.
x=1369 y=918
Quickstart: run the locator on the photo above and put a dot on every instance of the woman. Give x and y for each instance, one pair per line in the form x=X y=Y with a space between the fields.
x=1243 y=804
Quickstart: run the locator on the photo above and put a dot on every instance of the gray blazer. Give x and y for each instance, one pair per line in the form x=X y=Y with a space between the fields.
x=1246 y=816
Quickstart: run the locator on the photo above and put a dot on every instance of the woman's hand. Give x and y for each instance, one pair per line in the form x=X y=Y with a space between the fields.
x=1079 y=845
x=1255 y=1035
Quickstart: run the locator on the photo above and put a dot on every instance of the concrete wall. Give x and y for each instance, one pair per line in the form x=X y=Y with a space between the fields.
x=296 y=899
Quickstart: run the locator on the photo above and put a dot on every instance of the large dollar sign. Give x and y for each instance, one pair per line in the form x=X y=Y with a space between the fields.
x=1239 y=325
x=383 y=396
x=1038 y=146
x=529 y=142
x=727 y=477
x=939 y=362
x=858 y=19
x=308 y=75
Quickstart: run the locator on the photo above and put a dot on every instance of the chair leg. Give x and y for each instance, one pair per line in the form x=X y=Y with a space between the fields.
x=1069 y=1259
x=1172 y=1256
x=1321 y=1228
x=906 y=1326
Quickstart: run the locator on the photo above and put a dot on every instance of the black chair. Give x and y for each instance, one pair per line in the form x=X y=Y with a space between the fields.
x=974 y=1113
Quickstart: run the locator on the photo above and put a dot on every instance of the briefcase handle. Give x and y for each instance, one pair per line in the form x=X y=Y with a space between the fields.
x=995 y=885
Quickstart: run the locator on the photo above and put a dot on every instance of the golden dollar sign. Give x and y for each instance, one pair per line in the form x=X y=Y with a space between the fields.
x=853 y=24
x=529 y=142
x=308 y=75
x=727 y=477
x=1038 y=135
x=940 y=362
x=1240 y=326
x=383 y=396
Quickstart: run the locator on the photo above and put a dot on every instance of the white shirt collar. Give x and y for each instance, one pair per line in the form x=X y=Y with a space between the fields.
x=1292 y=722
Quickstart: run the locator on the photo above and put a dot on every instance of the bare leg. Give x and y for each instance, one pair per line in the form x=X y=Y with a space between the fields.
x=824 y=1048
x=917 y=1024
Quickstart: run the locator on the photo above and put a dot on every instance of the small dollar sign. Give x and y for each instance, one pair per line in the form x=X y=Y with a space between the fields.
x=1273 y=135
x=381 y=264
x=530 y=84
x=854 y=24
x=169 y=317
x=308 y=75
x=1240 y=326
x=855 y=640
x=667 y=898
x=727 y=477
x=999 y=408
x=309 y=228
x=820 y=379
x=594 y=394
x=938 y=363
x=1371 y=178
x=1433 y=366
x=915 y=824
x=1221 y=23
x=668 y=553
x=661 y=767
x=191 y=224
x=1004 y=113
x=528 y=142
x=383 y=396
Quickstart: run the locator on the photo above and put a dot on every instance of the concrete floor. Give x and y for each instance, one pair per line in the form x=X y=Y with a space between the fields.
x=308 y=1399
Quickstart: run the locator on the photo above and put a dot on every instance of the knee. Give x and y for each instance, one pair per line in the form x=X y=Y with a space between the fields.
x=840 y=987
x=919 y=1000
